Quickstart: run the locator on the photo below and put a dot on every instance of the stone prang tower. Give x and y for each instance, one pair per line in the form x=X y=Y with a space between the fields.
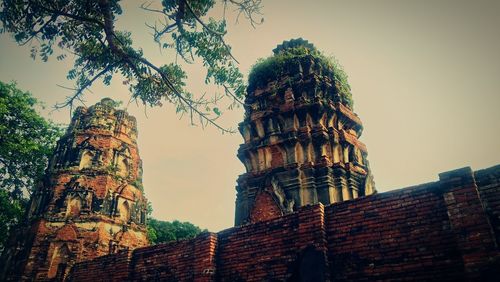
x=300 y=136
x=91 y=202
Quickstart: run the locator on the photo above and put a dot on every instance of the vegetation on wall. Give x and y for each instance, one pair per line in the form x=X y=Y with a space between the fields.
x=289 y=58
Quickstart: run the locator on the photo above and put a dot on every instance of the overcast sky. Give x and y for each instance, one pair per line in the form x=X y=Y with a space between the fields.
x=425 y=77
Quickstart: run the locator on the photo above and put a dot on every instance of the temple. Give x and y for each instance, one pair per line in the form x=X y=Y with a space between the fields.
x=91 y=202
x=306 y=207
x=300 y=136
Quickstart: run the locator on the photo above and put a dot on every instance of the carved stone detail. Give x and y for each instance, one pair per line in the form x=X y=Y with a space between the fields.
x=299 y=132
x=92 y=191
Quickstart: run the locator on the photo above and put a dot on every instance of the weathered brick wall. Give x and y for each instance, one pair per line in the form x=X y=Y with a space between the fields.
x=265 y=208
x=470 y=224
x=275 y=249
x=113 y=267
x=189 y=260
x=488 y=183
x=398 y=235
x=440 y=231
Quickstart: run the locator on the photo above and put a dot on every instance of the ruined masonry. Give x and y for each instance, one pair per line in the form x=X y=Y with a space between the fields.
x=91 y=202
x=447 y=230
x=306 y=207
x=300 y=136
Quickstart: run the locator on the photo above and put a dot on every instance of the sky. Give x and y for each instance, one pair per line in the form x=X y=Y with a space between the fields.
x=425 y=78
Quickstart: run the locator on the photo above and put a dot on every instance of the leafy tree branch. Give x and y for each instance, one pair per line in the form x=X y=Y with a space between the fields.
x=87 y=30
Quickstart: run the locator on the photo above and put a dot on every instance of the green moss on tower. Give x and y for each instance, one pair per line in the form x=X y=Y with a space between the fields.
x=290 y=59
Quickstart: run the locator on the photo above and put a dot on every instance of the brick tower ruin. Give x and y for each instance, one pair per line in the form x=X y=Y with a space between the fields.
x=300 y=136
x=91 y=202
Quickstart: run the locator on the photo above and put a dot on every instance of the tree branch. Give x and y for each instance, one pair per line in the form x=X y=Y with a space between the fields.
x=218 y=34
x=74 y=17
x=228 y=91
x=110 y=38
x=79 y=90
x=52 y=19
x=249 y=8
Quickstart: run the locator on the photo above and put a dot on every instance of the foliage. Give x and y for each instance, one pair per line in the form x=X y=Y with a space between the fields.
x=87 y=30
x=26 y=141
x=164 y=231
x=290 y=57
x=113 y=170
x=11 y=212
x=138 y=184
x=111 y=103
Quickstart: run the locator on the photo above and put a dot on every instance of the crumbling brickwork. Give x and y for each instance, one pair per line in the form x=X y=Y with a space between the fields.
x=394 y=235
x=488 y=182
x=273 y=249
x=300 y=136
x=91 y=202
x=432 y=232
x=188 y=260
x=306 y=208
